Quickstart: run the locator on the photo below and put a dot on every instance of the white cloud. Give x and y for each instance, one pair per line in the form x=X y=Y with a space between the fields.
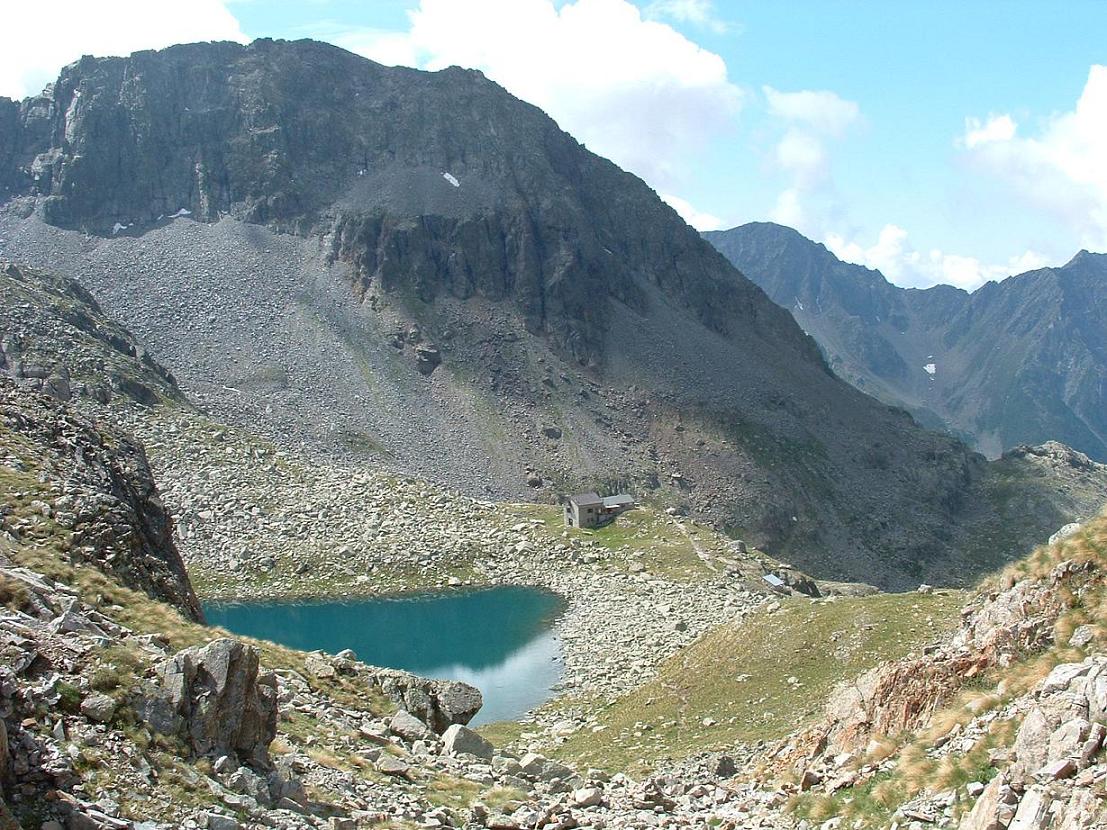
x=37 y=41
x=1063 y=169
x=893 y=255
x=633 y=89
x=811 y=119
x=788 y=210
x=820 y=110
x=697 y=12
x=698 y=219
x=804 y=156
x=996 y=128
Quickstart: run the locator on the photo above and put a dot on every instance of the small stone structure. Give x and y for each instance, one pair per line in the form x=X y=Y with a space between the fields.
x=591 y=510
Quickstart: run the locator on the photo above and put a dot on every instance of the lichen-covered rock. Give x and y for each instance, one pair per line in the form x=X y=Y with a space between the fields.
x=214 y=697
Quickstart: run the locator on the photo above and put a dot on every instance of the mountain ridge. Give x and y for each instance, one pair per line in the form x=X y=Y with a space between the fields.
x=1018 y=361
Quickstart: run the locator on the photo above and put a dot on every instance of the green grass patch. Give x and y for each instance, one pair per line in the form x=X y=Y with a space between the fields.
x=759 y=679
x=643 y=535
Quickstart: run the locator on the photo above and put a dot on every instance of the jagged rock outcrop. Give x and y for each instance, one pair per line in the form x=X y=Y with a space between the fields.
x=215 y=698
x=977 y=704
x=99 y=498
x=437 y=703
x=1008 y=625
x=55 y=339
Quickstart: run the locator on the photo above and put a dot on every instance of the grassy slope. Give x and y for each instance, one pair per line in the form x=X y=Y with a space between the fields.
x=872 y=802
x=642 y=535
x=761 y=678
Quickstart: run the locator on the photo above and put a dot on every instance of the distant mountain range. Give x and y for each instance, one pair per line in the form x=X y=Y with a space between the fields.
x=1016 y=362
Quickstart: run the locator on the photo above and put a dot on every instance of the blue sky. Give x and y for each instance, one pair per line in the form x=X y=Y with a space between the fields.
x=939 y=141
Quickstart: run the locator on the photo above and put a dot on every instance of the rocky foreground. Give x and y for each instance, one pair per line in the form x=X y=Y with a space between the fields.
x=118 y=711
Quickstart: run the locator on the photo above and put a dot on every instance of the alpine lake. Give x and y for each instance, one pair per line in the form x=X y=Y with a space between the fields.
x=498 y=639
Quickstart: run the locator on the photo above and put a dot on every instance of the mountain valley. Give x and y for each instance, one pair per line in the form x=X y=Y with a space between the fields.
x=534 y=336
x=281 y=324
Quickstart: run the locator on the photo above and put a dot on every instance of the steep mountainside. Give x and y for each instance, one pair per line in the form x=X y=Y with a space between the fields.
x=1020 y=361
x=419 y=268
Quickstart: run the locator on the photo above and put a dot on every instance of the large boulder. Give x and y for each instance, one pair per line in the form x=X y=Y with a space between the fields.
x=437 y=703
x=461 y=740
x=214 y=698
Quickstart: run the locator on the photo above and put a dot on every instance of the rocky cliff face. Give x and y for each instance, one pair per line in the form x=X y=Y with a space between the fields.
x=439 y=183
x=85 y=488
x=419 y=268
x=1021 y=361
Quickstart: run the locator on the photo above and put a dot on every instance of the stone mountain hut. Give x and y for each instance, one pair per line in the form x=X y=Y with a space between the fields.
x=590 y=510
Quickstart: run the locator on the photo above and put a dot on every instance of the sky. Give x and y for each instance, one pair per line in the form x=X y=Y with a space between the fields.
x=939 y=141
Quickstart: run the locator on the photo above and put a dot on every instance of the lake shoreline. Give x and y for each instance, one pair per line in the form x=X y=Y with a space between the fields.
x=637 y=591
x=500 y=640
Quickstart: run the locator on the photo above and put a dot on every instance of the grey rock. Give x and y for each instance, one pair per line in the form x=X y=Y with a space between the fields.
x=99 y=708
x=409 y=727
x=437 y=703
x=542 y=768
x=461 y=740
x=247 y=782
x=1082 y=636
x=391 y=765
x=214 y=696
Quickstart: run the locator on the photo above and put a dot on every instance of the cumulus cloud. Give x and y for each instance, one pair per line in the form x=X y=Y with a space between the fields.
x=36 y=42
x=630 y=87
x=1061 y=170
x=698 y=219
x=810 y=120
x=996 y=128
x=894 y=256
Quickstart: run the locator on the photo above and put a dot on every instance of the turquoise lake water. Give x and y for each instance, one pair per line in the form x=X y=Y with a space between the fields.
x=499 y=639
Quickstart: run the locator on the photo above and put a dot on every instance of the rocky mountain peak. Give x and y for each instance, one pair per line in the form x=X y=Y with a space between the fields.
x=427 y=182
